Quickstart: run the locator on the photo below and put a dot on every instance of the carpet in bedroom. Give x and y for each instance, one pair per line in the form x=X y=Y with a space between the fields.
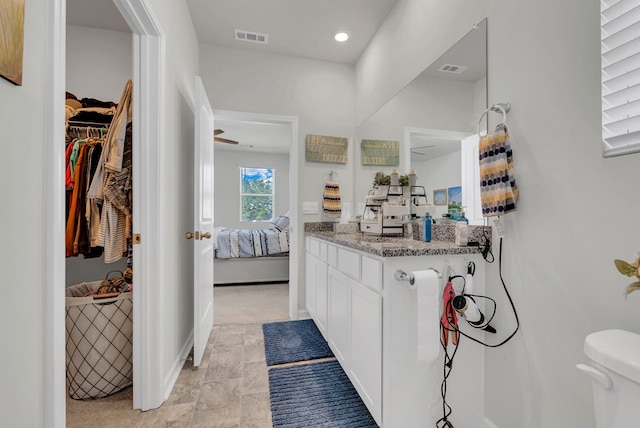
x=250 y=303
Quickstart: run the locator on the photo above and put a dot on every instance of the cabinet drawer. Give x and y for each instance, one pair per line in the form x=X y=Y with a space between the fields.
x=323 y=251
x=349 y=263
x=313 y=247
x=332 y=254
x=372 y=273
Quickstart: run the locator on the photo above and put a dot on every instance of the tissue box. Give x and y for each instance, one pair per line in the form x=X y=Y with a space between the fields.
x=345 y=227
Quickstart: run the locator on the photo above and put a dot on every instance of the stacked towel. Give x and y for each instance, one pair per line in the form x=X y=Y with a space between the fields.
x=498 y=191
x=331 y=200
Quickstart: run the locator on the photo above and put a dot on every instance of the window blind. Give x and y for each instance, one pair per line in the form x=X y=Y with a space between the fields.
x=620 y=48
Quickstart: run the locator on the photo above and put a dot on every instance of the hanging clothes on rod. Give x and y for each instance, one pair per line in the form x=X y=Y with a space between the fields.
x=99 y=184
x=111 y=184
x=498 y=191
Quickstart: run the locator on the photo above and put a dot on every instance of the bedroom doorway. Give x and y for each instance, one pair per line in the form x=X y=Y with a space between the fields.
x=266 y=143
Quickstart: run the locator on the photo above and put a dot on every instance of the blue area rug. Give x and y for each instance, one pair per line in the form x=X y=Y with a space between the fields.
x=316 y=395
x=291 y=341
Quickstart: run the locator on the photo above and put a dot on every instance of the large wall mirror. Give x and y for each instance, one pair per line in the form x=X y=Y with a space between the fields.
x=431 y=117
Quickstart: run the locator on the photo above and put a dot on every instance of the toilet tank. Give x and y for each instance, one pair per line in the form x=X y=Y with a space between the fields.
x=616 y=354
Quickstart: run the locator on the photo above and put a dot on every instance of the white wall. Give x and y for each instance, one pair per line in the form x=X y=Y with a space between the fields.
x=98 y=65
x=99 y=62
x=176 y=205
x=558 y=268
x=320 y=94
x=22 y=253
x=227 y=179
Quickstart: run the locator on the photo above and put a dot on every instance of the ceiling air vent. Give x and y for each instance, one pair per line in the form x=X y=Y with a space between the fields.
x=250 y=36
x=450 y=68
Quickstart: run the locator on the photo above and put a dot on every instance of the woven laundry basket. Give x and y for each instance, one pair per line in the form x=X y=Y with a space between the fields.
x=99 y=342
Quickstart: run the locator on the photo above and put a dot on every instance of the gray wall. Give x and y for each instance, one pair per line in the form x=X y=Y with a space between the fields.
x=556 y=264
x=227 y=179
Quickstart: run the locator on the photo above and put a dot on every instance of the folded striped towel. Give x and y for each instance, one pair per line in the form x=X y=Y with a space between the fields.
x=331 y=200
x=498 y=190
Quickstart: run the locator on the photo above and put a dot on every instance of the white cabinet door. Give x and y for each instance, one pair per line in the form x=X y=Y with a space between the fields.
x=322 y=297
x=316 y=291
x=311 y=264
x=338 y=320
x=365 y=326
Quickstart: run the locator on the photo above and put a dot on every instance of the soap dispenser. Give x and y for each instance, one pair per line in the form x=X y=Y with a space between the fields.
x=427 y=228
x=463 y=218
x=462 y=232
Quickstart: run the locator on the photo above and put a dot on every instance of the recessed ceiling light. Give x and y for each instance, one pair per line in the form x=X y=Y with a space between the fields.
x=341 y=37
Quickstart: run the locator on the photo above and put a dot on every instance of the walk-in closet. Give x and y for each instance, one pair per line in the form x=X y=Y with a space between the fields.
x=99 y=274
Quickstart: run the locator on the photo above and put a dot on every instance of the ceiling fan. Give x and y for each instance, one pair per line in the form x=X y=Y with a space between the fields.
x=220 y=139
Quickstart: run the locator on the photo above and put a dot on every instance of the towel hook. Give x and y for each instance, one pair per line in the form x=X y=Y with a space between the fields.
x=503 y=108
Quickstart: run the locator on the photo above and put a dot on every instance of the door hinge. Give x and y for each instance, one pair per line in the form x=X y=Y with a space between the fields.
x=137 y=238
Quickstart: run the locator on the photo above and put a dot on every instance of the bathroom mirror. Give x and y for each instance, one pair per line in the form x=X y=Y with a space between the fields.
x=430 y=118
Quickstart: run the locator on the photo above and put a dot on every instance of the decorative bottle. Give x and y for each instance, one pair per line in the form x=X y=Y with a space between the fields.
x=427 y=228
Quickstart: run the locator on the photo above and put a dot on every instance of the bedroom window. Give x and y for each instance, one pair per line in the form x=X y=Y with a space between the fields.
x=256 y=194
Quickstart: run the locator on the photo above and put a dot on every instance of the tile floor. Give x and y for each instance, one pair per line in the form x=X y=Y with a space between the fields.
x=230 y=389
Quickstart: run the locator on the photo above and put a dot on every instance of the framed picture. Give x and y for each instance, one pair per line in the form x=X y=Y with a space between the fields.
x=323 y=148
x=380 y=152
x=11 y=40
x=440 y=197
x=454 y=198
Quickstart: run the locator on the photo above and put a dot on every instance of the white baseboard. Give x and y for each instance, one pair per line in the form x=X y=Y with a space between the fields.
x=303 y=314
x=489 y=424
x=172 y=376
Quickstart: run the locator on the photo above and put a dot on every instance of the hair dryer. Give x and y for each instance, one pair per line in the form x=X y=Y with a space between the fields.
x=466 y=306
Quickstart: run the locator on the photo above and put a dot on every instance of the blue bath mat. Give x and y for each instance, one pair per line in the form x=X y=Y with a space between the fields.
x=316 y=395
x=291 y=341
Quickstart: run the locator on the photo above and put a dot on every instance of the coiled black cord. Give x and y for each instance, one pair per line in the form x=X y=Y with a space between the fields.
x=448 y=360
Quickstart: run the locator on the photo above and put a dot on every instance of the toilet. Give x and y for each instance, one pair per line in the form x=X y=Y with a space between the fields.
x=615 y=372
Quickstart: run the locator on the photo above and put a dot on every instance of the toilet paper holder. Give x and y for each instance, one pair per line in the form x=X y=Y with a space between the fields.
x=401 y=275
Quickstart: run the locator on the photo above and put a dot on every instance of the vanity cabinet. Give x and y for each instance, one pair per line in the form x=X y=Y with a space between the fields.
x=353 y=307
x=316 y=283
x=365 y=358
x=338 y=336
x=370 y=320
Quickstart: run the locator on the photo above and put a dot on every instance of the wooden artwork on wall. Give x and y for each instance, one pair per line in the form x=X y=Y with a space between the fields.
x=321 y=148
x=11 y=40
x=380 y=152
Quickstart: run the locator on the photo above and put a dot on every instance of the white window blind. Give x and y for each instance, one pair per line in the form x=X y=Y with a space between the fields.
x=620 y=35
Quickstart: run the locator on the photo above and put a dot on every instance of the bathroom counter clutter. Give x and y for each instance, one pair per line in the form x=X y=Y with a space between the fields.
x=386 y=246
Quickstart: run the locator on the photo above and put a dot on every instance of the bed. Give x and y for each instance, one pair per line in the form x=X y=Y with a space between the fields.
x=252 y=255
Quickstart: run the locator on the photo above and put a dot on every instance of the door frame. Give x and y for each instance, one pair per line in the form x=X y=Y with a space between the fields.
x=148 y=136
x=294 y=258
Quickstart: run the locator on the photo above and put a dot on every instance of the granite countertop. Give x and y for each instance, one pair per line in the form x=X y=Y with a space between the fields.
x=391 y=246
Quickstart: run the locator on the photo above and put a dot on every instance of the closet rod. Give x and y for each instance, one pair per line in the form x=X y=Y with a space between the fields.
x=87 y=124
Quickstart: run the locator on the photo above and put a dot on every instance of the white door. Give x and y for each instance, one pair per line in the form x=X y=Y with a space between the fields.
x=203 y=224
x=470 y=178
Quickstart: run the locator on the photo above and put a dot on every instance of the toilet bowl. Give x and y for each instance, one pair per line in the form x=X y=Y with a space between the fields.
x=615 y=371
